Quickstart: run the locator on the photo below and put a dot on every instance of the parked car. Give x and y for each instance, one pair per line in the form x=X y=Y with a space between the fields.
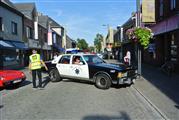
x=10 y=77
x=90 y=68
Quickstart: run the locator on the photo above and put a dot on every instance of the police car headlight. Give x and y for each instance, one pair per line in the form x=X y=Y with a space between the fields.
x=120 y=75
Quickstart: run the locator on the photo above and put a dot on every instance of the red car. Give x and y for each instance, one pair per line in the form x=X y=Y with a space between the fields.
x=8 y=77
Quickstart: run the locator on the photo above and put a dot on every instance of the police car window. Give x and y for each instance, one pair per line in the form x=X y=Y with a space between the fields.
x=65 y=60
x=93 y=59
x=78 y=60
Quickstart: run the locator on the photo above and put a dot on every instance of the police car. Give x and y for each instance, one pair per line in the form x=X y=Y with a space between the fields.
x=90 y=68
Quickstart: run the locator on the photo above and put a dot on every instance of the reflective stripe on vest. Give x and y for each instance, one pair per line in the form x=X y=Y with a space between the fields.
x=35 y=61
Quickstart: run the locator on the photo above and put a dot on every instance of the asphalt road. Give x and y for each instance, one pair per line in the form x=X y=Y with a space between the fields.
x=70 y=100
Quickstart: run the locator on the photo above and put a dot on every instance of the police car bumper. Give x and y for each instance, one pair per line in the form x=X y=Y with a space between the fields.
x=127 y=80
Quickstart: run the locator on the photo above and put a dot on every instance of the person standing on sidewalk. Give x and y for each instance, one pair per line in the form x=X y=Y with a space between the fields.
x=127 y=58
x=35 y=68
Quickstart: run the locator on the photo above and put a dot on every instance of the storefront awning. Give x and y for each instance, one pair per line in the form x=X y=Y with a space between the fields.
x=166 y=25
x=19 y=45
x=5 y=44
x=12 y=44
x=58 y=48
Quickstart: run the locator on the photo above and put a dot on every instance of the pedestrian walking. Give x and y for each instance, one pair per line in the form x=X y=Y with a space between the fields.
x=35 y=68
x=56 y=54
x=127 y=58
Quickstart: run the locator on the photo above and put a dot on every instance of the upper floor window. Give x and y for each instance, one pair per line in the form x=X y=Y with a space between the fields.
x=29 y=32
x=172 y=4
x=45 y=37
x=161 y=8
x=14 y=28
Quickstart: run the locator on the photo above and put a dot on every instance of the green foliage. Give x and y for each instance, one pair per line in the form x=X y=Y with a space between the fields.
x=141 y=35
x=97 y=42
x=82 y=44
x=91 y=49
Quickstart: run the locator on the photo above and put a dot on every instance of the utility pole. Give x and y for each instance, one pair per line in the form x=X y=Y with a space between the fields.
x=121 y=40
x=138 y=25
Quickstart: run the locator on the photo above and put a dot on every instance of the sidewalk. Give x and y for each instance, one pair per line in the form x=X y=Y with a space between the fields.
x=161 y=90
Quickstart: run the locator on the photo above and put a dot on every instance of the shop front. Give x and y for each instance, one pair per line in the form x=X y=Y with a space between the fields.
x=12 y=54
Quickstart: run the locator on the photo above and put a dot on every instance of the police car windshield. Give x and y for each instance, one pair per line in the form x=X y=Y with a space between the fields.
x=93 y=59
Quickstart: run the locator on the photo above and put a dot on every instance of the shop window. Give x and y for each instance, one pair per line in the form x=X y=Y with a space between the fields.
x=172 y=4
x=173 y=50
x=161 y=8
x=14 y=28
x=1 y=25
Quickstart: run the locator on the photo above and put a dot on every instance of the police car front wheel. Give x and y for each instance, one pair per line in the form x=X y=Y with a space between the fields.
x=103 y=81
x=55 y=76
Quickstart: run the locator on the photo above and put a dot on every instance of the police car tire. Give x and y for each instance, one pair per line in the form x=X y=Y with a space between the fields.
x=56 y=76
x=103 y=81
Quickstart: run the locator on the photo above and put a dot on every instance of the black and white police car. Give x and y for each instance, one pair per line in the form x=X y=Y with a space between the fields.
x=91 y=68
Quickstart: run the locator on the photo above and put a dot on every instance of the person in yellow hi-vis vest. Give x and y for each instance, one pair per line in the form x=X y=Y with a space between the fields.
x=35 y=68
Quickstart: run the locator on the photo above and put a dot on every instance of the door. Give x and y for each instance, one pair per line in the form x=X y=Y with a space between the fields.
x=79 y=68
x=63 y=65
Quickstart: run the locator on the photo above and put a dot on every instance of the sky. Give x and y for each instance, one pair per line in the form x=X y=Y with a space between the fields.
x=85 y=18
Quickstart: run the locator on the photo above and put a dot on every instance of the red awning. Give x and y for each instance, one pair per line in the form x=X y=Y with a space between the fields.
x=166 y=25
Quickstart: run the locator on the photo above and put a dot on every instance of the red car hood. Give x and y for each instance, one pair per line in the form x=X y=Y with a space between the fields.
x=11 y=74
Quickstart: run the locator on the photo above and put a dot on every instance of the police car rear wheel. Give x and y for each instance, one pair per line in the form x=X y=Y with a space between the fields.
x=55 y=76
x=103 y=81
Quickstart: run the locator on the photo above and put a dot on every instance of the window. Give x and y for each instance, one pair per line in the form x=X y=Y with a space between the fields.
x=172 y=4
x=65 y=60
x=45 y=37
x=1 y=29
x=14 y=28
x=78 y=60
x=161 y=8
x=29 y=32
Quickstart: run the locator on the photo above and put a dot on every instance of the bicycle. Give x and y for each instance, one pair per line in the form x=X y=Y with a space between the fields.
x=167 y=68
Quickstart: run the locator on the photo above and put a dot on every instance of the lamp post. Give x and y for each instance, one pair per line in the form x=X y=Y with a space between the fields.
x=138 y=25
x=121 y=40
x=108 y=52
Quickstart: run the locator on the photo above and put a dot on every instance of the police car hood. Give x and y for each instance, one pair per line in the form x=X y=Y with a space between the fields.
x=119 y=67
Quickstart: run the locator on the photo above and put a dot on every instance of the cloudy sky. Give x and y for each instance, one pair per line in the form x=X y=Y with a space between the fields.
x=86 y=18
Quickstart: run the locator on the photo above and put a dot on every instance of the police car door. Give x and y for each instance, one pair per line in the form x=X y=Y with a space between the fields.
x=63 y=65
x=79 y=70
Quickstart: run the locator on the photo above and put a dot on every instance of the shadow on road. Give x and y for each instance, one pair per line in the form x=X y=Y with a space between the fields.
x=15 y=86
x=167 y=85
x=123 y=116
x=177 y=106
x=1 y=106
x=45 y=81
x=91 y=83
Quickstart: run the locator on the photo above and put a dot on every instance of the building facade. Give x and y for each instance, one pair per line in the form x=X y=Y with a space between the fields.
x=12 y=46
x=166 y=34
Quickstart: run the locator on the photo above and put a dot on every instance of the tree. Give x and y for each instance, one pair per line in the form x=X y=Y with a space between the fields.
x=91 y=49
x=97 y=42
x=82 y=44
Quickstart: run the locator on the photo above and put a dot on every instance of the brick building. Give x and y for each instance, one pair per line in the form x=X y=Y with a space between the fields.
x=166 y=34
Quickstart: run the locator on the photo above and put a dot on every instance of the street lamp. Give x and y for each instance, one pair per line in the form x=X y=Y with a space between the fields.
x=108 y=50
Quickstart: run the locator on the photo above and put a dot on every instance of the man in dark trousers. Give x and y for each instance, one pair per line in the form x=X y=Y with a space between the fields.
x=35 y=68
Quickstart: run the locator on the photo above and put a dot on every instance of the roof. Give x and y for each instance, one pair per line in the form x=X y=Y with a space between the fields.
x=25 y=6
x=9 y=5
x=44 y=19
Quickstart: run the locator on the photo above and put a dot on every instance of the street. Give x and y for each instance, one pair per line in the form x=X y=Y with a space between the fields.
x=74 y=100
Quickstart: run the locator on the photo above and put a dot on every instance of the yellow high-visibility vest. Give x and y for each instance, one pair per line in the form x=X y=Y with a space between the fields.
x=35 y=61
